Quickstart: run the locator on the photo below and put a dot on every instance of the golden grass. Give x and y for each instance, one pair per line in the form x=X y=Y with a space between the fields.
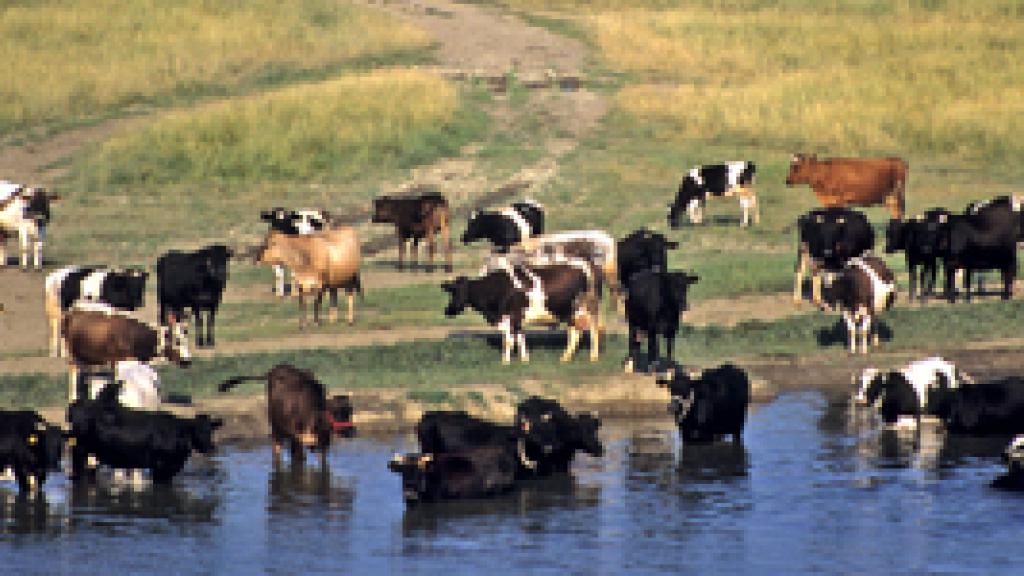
x=64 y=60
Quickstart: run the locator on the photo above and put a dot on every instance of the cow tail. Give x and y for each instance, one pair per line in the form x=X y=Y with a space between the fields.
x=232 y=382
x=357 y=283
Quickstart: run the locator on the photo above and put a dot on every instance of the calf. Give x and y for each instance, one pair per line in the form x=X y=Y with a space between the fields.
x=30 y=446
x=827 y=238
x=549 y=437
x=985 y=408
x=123 y=438
x=293 y=223
x=920 y=241
x=472 y=473
x=642 y=250
x=423 y=215
x=511 y=298
x=1013 y=457
x=864 y=288
x=192 y=280
x=298 y=411
x=841 y=182
x=986 y=240
x=711 y=405
x=655 y=301
x=26 y=212
x=507 y=226
x=715 y=180
x=120 y=289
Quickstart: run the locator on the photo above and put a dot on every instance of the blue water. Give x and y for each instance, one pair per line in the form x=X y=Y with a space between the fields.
x=809 y=491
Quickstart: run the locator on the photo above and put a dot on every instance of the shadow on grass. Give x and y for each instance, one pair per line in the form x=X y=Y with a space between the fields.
x=837 y=335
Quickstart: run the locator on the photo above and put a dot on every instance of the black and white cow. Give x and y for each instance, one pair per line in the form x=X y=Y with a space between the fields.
x=26 y=212
x=507 y=226
x=1013 y=456
x=900 y=402
x=924 y=375
x=472 y=473
x=919 y=239
x=709 y=405
x=521 y=294
x=983 y=240
x=994 y=407
x=121 y=289
x=29 y=446
x=864 y=288
x=655 y=301
x=827 y=238
x=293 y=223
x=192 y=280
x=643 y=249
x=703 y=182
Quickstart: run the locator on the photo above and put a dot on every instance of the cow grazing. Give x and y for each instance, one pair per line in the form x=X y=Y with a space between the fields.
x=549 y=437
x=827 y=239
x=993 y=407
x=899 y=399
x=322 y=262
x=192 y=280
x=840 y=182
x=919 y=239
x=24 y=211
x=521 y=294
x=472 y=473
x=1013 y=457
x=417 y=217
x=29 y=446
x=507 y=226
x=122 y=289
x=123 y=438
x=709 y=405
x=984 y=240
x=298 y=410
x=655 y=301
x=293 y=223
x=642 y=250
x=715 y=180
x=863 y=289
x=97 y=337
x=595 y=246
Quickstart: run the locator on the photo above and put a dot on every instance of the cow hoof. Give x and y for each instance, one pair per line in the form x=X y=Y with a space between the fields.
x=448 y=269
x=505 y=361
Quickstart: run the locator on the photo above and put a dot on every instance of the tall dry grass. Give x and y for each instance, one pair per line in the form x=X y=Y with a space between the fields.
x=65 y=60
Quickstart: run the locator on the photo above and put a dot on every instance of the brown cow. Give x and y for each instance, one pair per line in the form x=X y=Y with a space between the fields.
x=98 y=336
x=417 y=217
x=840 y=182
x=298 y=411
x=322 y=261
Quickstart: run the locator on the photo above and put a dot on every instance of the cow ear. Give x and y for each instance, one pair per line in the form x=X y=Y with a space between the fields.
x=692 y=278
x=671 y=245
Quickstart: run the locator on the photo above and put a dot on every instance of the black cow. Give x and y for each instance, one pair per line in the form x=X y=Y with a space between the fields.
x=986 y=240
x=1013 y=456
x=655 y=300
x=549 y=437
x=919 y=239
x=827 y=238
x=443 y=431
x=715 y=180
x=471 y=473
x=30 y=446
x=986 y=408
x=642 y=250
x=507 y=226
x=1001 y=205
x=192 y=280
x=293 y=223
x=123 y=438
x=711 y=405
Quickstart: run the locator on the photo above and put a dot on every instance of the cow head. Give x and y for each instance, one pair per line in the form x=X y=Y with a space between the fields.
x=645 y=250
x=458 y=291
x=383 y=210
x=476 y=228
x=173 y=342
x=1013 y=456
x=339 y=412
x=546 y=429
x=800 y=169
x=880 y=383
x=416 y=471
x=215 y=265
x=681 y=385
x=46 y=443
x=679 y=284
x=128 y=290
x=201 y=433
x=37 y=204
x=895 y=236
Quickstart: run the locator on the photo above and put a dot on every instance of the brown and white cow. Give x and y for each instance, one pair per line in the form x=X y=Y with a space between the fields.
x=864 y=288
x=853 y=181
x=416 y=217
x=26 y=212
x=99 y=336
x=595 y=246
x=321 y=262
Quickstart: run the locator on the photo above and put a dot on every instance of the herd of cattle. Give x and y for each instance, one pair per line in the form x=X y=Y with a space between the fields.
x=530 y=277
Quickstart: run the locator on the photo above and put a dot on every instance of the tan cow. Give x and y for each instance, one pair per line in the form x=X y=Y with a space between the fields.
x=841 y=182
x=320 y=262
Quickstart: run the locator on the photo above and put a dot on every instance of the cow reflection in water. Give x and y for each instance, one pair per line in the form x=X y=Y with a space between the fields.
x=654 y=456
x=100 y=501
x=27 y=513
x=293 y=487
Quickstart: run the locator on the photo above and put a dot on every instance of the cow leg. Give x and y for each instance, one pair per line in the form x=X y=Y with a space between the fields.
x=318 y=302
x=950 y=284
x=572 y=344
x=851 y=330
x=816 y=278
x=332 y=309
x=798 y=282
x=595 y=340
x=634 y=349
x=414 y=254
x=652 y=346
x=72 y=383
x=431 y=248
x=55 y=337
x=209 y=326
x=507 y=340
x=278 y=287
x=870 y=330
x=1008 y=275
x=275 y=449
x=303 y=316
x=670 y=341
x=200 y=335
x=446 y=235
x=3 y=250
x=401 y=251
x=524 y=354
x=967 y=284
x=351 y=295
x=23 y=241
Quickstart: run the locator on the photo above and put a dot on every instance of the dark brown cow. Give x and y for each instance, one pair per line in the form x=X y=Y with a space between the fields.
x=840 y=182
x=298 y=410
x=97 y=336
x=417 y=217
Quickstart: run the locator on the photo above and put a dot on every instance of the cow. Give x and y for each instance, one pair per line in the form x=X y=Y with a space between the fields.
x=841 y=182
x=521 y=294
x=24 y=211
x=102 y=337
x=548 y=437
x=655 y=301
x=140 y=385
x=595 y=246
x=708 y=405
x=919 y=239
x=298 y=411
x=30 y=446
x=986 y=240
x=445 y=431
x=192 y=280
x=1013 y=457
x=924 y=375
x=123 y=438
x=989 y=408
x=472 y=473
x=123 y=289
x=322 y=262
x=642 y=249
x=293 y=223
x=864 y=288
x=826 y=239
x=339 y=415
x=423 y=215
x=900 y=401
x=506 y=226
x=715 y=180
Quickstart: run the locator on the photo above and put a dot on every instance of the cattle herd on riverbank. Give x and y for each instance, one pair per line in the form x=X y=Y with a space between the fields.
x=531 y=277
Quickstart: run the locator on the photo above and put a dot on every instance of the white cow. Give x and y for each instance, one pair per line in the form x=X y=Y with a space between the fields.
x=26 y=212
